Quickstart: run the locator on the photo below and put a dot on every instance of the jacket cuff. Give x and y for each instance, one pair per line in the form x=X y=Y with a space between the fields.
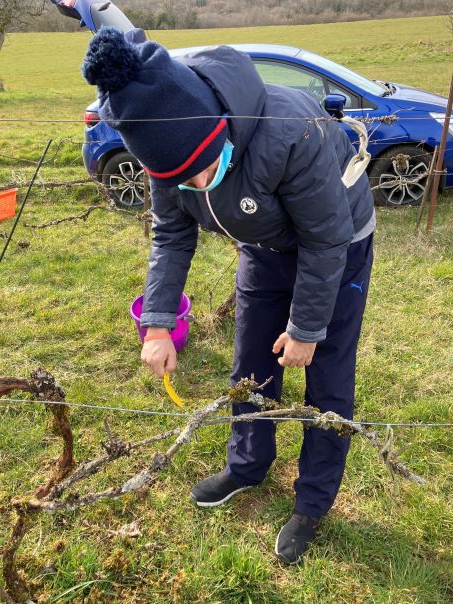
x=158 y=319
x=301 y=335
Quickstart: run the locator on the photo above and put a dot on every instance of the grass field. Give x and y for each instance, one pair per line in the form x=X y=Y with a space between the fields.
x=64 y=306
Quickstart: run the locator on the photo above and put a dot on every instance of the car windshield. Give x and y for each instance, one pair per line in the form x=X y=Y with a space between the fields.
x=343 y=72
x=106 y=13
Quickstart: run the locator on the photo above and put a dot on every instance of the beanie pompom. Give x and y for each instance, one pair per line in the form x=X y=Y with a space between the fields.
x=111 y=62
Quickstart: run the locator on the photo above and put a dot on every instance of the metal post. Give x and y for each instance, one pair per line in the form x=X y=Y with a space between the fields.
x=440 y=160
x=25 y=199
x=146 y=204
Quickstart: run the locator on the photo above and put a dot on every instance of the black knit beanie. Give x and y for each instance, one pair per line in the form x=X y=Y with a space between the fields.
x=138 y=83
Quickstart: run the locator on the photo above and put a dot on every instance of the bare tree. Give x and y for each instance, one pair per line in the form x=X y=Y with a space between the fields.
x=17 y=14
x=449 y=15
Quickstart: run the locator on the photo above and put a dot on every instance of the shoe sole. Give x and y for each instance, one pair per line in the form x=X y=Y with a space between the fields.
x=213 y=504
x=281 y=557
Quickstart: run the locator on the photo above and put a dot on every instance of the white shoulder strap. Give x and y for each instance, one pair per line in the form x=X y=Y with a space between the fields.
x=360 y=161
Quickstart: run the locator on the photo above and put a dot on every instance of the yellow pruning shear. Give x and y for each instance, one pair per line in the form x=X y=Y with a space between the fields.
x=171 y=392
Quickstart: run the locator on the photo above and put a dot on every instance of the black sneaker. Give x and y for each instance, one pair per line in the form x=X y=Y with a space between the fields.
x=215 y=490
x=295 y=538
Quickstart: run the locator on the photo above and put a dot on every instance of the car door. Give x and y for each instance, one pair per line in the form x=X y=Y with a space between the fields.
x=94 y=14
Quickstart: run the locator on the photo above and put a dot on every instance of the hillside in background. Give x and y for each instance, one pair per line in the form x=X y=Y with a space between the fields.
x=188 y=14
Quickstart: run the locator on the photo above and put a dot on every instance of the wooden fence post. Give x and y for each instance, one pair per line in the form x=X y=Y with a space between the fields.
x=440 y=160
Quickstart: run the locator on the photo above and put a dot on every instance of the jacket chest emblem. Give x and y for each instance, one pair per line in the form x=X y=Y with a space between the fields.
x=248 y=205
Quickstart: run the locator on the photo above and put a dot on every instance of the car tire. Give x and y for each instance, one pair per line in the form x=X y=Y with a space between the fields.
x=123 y=177
x=397 y=172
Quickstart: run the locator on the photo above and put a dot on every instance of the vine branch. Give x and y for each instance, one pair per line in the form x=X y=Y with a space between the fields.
x=49 y=497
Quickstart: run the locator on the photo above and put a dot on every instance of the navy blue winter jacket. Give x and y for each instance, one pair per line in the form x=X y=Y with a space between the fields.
x=292 y=170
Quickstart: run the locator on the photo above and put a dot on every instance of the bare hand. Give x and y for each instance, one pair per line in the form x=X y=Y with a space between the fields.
x=295 y=354
x=160 y=356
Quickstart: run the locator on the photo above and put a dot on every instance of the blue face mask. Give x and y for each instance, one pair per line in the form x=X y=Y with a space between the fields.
x=225 y=159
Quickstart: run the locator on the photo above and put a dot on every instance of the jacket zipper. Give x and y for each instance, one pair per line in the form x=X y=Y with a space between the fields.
x=208 y=201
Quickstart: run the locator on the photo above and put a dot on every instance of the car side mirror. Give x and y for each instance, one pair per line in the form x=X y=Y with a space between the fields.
x=334 y=104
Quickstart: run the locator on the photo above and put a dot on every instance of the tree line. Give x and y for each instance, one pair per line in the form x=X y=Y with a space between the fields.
x=188 y=14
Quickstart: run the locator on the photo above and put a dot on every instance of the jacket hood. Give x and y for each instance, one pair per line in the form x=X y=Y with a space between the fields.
x=238 y=87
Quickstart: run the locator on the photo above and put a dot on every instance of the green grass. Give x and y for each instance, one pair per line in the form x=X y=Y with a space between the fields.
x=42 y=77
x=64 y=305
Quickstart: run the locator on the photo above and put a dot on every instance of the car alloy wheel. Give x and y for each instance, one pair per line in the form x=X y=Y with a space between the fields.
x=123 y=177
x=401 y=174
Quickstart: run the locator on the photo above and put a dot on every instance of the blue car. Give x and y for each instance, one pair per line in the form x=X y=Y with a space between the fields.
x=401 y=149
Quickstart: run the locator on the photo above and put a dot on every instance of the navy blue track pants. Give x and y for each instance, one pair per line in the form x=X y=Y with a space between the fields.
x=264 y=287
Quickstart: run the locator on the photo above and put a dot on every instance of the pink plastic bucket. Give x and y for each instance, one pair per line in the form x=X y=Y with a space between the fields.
x=180 y=334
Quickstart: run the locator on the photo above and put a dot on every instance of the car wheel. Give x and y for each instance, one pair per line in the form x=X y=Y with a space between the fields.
x=399 y=174
x=123 y=177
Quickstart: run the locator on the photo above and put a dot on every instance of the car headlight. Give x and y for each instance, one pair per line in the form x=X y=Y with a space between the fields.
x=440 y=118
